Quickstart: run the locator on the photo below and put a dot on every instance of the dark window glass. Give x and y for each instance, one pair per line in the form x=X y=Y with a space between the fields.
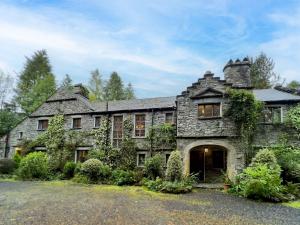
x=117 y=131
x=76 y=123
x=43 y=124
x=272 y=115
x=20 y=135
x=141 y=159
x=209 y=110
x=82 y=155
x=97 y=121
x=169 y=118
x=167 y=158
x=140 y=125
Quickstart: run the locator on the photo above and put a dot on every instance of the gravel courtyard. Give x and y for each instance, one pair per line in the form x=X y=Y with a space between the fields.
x=67 y=203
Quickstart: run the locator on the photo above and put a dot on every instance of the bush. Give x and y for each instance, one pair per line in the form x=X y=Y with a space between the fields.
x=7 y=166
x=174 y=167
x=34 y=166
x=176 y=187
x=91 y=169
x=80 y=178
x=77 y=168
x=17 y=158
x=264 y=156
x=69 y=170
x=122 y=177
x=154 y=167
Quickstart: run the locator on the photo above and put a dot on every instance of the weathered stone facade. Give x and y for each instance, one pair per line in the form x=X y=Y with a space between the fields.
x=194 y=130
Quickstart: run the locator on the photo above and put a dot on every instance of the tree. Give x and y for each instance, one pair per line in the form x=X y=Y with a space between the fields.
x=174 y=167
x=5 y=87
x=67 y=81
x=36 y=82
x=129 y=92
x=8 y=119
x=114 y=89
x=294 y=85
x=261 y=72
x=96 y=86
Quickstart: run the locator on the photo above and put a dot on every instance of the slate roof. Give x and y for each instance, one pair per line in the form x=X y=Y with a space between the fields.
x=135 y=104
x=273 y=95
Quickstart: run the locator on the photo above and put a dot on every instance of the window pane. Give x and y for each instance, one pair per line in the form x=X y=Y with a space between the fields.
x=276 y=115
x=208 y=111
x=43 y=124
x=201 y=110
x=140 y=125
x=76 y=122
x=169 y=118
x=216 y=111
x=97 y=121
x=117 y=131
x=82 y=155
x=141 y=159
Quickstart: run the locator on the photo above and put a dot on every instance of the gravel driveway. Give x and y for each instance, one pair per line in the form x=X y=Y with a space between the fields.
x=67 y=203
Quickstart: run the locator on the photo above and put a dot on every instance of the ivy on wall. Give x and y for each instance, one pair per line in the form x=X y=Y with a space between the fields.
x=293 y=119
x=245 y=111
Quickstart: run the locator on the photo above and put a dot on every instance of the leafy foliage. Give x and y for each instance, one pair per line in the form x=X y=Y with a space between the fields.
x=293 y=118
x=36 y=82
x=69 y=169
x=122 y=177
x=161 y=137
x=8 y=120
x=174 y=167
x=245 y=111
x=96 y=86
x=294 y=85
x=261 y=72
x=67 y=82
x=91 y=168
x=154 y=167
x=34 y=166
x=7 y=166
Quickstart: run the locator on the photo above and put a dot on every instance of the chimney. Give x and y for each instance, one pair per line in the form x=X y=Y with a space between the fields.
x=238 y=73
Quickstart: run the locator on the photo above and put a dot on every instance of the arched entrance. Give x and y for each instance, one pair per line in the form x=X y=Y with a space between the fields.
x=193 y=152
x=209 y=162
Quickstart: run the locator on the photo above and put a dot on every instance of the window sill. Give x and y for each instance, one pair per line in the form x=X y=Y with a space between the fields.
x=210 y=118
x=96 y=127
x=41 y=130
x=79 y=128
x=139 y=137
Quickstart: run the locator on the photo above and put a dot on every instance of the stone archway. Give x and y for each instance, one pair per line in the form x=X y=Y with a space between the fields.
x=230 y=149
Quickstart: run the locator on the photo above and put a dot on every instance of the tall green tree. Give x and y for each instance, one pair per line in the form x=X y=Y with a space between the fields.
x=114 y=89
x=96 y=86
x=36 y=82
x=6 y=83
x=262 y=72
x=129 y=92
x=294 y=85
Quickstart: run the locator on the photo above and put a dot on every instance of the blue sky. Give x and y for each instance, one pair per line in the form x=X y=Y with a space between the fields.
x=159 y=46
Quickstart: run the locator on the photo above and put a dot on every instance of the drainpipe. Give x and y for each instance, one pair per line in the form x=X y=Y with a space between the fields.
x=107 y=124
x=6 y=146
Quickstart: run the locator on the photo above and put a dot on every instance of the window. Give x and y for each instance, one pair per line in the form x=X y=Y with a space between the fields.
x=140 y=125
x=20 y=136
x=97 y=121
x=169 y=118
x=81 y=155
x=167 y=157
x=76 y=123
x=141 y=159
x=272 y=114
x=42 y=124
x=117 y=131
x=209 y=110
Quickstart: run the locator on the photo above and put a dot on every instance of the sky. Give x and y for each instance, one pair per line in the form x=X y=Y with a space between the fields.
x=160 y=46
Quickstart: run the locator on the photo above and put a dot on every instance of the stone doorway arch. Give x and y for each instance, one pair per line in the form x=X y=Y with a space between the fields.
x=230 y=154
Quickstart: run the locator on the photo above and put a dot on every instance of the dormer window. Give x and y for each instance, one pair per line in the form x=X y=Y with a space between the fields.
x=211 y=110
x=42 y=124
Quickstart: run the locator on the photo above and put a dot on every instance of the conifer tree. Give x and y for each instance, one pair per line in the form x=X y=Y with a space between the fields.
x=96 y=86
x=114 y=89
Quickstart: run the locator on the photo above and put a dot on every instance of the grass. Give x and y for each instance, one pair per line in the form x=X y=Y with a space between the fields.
x=294 y=204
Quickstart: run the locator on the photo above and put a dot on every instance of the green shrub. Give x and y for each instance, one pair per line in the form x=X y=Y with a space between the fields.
x=105 y=173
x=69 y=169
x=174 y=167
x=122 y=177
x=264 y=156
x=17 y=158
x=289 y=160
x=80 y=178
x=176 y=187
x=7 y=166
x=91 y=169
x=154 y=167
x=34 y=166
x=78 y=167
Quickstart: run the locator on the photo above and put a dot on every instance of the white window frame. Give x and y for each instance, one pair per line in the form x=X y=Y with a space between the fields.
x=95 y=121
x=112 y=129
x=137 y=158
x=72 y=125
x=134 y=125
x=281 y=112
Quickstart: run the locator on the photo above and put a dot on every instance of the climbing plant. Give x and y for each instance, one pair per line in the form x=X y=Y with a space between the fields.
x=245 y=111
x=293 y=118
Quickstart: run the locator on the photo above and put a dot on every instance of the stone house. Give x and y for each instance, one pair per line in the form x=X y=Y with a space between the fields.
x=206 y=138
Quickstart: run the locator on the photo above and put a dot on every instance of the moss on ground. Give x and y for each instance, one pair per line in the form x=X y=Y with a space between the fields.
x=294 y=204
